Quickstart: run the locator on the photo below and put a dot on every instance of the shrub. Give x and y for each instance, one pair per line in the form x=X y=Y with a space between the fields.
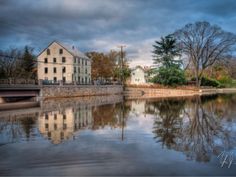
x=210 y=82
x=171 y=76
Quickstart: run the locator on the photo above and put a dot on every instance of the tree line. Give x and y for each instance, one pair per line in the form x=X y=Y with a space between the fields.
x=18 y=64
x=199 y=51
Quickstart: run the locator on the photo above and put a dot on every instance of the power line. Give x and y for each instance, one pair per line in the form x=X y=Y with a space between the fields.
x=56 y=63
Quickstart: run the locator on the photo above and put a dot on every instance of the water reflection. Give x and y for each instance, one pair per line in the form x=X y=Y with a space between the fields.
x=198 y=127
x=60 y=125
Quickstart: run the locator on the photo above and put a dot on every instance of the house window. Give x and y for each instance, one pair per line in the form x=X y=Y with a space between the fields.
x=49 y=134
x=45 y=70
x=64 y=116
x=62 y=135
x=78 y=70
x=54 y=60
x=55 y=70
x=74 y=69
x=63 y=69
x=45 y=60
x=74 y=60
x=63 y=59
x=86 y=62
x=46 y=125
x=79 y=79
x=55 y=79
x=82 y=80
x=64 y=126
x=61 y=51
x=48 y=51
x=85 y=80
x=78 y=60
x=64 y=79
x=86 y=71
x=82 y=61
x=55 y=116
x=46 y=117
x=55 y=126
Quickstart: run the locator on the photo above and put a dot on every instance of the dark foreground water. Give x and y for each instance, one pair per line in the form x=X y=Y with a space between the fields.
x=105 y=136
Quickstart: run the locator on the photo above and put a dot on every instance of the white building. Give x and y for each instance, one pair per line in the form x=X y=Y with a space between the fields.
x=138 y=76
x=63 y=62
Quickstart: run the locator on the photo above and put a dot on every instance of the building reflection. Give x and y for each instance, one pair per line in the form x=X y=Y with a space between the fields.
x=58 y=126
x=61 y=125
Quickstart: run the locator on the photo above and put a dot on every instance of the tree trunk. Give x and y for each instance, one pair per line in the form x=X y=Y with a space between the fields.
x=198 y=82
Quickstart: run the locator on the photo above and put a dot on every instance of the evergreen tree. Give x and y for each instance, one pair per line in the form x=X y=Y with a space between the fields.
x=28 y=62
x=165 y=53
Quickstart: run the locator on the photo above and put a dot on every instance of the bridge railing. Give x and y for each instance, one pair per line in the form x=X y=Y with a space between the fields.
x=25 y=82
x=18 y=82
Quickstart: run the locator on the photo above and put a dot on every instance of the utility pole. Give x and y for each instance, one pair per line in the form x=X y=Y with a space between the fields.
x=122 y=63
x=123 y=85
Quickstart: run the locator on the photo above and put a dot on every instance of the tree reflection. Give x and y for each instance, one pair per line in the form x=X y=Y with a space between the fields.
x=14 y=127
x=168 y=122
x=195 y=128
x=27 y=125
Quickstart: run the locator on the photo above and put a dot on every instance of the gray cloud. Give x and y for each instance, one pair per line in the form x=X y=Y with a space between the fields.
x=103 y=24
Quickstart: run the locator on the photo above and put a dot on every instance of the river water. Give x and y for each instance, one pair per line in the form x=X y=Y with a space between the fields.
x=109 y=136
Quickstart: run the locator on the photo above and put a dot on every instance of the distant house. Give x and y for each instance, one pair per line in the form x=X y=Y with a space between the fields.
x=60 y=62
x=138 y=76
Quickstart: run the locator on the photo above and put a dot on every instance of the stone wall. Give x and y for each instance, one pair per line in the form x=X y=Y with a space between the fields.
x=81 y=90
x=150 y=92
x=161 y=93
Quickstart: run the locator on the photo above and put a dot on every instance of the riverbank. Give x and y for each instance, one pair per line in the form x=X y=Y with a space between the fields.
x=132 y=93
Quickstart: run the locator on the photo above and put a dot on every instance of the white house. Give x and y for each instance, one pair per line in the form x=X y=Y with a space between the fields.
x=61 y=62
x=138 y=76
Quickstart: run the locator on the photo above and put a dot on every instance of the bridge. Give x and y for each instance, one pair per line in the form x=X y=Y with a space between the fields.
x=18 y=93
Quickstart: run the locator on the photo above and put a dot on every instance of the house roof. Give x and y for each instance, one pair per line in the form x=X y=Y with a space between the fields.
x=140 y=67
x=71 y=49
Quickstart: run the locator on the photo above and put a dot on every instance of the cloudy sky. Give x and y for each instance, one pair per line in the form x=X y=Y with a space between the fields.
x=102 y=25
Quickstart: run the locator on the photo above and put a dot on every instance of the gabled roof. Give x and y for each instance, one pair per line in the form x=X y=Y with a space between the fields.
x=72 y=50
x=140 y=67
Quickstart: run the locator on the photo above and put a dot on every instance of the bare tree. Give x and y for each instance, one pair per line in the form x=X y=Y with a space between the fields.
x=204 y=44
x=9 y=63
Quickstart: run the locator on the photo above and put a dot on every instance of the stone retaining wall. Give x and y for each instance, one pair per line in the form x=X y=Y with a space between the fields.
x=82 y=90
x=150 y=92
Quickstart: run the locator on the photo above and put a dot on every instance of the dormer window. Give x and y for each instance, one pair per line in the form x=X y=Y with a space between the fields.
x=61 y=51
x=48 y=51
